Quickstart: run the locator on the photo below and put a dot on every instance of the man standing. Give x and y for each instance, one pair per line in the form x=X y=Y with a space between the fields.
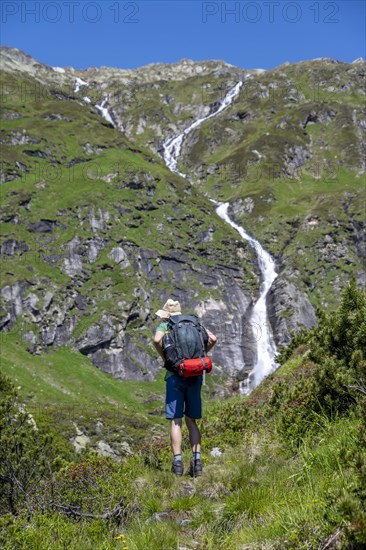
x=183 y=397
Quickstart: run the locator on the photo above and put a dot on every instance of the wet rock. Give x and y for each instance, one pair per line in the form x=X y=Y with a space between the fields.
x=227 y=319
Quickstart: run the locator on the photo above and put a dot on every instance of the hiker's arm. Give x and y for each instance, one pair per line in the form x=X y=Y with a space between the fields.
x=211 y=340
x=158 y=338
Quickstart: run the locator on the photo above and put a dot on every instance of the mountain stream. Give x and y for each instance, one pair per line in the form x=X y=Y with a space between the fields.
x=258 y=321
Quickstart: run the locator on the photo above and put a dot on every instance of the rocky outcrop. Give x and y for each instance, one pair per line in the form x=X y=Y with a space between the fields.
x=295 y=157
x=43 y=226
x=227 y=319
x=12 y=246
x=289 y=310
x=18 y=138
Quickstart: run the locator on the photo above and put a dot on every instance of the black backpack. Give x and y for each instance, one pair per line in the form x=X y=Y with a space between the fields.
x=186 y=339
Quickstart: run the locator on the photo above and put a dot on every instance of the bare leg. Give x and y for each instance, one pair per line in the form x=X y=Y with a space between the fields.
x=194 y=435
x=176 y=435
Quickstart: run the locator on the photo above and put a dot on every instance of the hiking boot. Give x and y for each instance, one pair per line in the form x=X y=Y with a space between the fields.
x=177 y=468
x=195 y=468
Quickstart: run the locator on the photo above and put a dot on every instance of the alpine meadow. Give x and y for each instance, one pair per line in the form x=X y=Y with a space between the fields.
x=240 y=193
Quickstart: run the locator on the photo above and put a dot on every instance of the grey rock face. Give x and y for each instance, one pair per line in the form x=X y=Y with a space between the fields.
x=12 y=296
x=12 y=116
x=93 y=150
x=119 y=256
x=323 y=115
x=19 y=138
x=4 y=320
x=112 y=349
x=43 y=226
x=12 y=246
x=289 y=310
x=227 y=320
x=97 y=337
x=57 y=116
x=295 y=157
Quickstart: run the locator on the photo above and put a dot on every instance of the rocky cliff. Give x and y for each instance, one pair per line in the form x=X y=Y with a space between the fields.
x=97 y=233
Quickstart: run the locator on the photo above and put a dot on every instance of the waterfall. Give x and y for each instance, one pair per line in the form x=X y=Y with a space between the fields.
x=172 y=146
x=104 y=111
x=78 y=83
x=259 y=322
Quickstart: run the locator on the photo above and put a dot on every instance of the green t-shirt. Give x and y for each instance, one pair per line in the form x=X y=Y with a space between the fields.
x=163 y=327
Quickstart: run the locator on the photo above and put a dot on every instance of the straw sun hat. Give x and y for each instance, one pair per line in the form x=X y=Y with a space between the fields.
x=171 y=307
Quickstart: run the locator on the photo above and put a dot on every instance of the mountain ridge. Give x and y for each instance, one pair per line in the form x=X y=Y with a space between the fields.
x=14 y=53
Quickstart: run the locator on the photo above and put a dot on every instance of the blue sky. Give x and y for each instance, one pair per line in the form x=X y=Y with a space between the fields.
x=249 y=34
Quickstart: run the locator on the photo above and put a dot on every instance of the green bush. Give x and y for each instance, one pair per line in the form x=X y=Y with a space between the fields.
x=332 y=376
x=27 y=454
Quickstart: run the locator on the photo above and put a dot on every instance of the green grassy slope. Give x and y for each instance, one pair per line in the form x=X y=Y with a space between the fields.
x=62 y=387
x=292 y=144
x=291 y=474
x=121 y=195
x=310 y=114
x=93 y=185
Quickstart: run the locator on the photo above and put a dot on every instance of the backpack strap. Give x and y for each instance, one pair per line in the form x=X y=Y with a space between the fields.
x=202 y=342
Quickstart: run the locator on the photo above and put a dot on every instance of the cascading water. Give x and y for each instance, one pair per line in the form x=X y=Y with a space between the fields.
x=104 y=111
x=259 y=322
x=172 y=146
x=78 y=83
x=266 y=348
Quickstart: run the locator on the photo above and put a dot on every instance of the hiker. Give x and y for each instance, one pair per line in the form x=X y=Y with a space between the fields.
x=183 y=395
